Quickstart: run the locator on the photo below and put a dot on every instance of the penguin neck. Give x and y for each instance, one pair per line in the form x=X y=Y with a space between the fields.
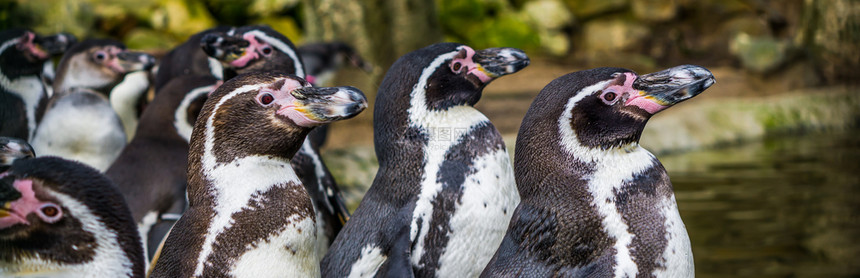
x=124 y=98
x=181 y=116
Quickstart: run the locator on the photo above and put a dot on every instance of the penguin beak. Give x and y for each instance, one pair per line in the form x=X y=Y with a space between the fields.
x=657 y=91
x=230 y=50
x=496 y=62
x=321 y=105
x=135 y=61
x=27 y=43
x=56 y=44
x=10 y=196
x=12 y=151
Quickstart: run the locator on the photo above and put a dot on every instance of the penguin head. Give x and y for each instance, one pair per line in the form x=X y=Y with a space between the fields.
x=56 y=44
x=449 y=74
x=12 y=149
x=98 y=64
x=24 y=51
x=609 y=107
x=251 y=49
x=269 y=114
x=62 y=213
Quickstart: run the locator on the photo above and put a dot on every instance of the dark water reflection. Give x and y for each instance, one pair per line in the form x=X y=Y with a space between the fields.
x=780 y=207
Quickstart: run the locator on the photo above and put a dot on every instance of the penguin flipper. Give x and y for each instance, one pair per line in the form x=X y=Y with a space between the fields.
x=397 y=264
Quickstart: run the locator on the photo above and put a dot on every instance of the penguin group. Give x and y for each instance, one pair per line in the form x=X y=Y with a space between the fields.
x=206 y=163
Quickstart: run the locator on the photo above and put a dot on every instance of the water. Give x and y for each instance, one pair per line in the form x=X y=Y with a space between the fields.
x=779 y=207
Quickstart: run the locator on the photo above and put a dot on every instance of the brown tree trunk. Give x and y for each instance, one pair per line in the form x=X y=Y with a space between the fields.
x=381 y=30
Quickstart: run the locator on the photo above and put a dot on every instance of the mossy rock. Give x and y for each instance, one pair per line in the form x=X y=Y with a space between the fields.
x=585 y=9
x=149 y=40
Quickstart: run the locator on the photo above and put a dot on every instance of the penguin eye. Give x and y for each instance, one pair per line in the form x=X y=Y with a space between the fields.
x=99 y=56
x=50 y=213
x=456 y=67
x=609 y=97
x=266 y=98
x=266 y=50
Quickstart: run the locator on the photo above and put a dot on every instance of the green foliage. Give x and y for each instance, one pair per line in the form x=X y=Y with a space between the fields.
x=485 y=23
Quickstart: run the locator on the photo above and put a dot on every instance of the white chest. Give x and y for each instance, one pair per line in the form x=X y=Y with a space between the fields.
x=91 y=134
x=481 y=219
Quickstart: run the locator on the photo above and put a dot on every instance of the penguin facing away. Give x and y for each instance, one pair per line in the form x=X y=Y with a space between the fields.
x=259 y=49
x=79 y=122
x=445 y=190
x=323 y=59
x=248 y=214
x=22 y=91
x=188 y=58
x=150 y=170
x=595 y=203
x=64 y=219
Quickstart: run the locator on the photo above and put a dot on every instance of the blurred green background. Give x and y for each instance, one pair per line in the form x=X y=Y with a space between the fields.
x=761 y=36
x=764 y=163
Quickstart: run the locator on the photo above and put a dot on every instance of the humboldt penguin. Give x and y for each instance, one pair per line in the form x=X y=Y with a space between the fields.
x=260 y=49
x=12 y=149
x=188 y=59
x=323 y=59
x=594 y=202
x=248 y=214
x=23 y=55
x=150 y=170
x=64 y=219
x=79 y=122
x=445 y=190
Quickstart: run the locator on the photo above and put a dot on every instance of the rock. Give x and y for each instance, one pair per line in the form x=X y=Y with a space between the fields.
x=548 y=14
x=181 y=18
x=267 y=8
x=148 y=40
x=589 y=8
x=831 y=32
x=548 y=17
x=654 y=10
x=759 y=54
x=284 y=25
x=612 y=35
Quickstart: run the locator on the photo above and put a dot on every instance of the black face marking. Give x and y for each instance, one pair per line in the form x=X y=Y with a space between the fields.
x=601 y=126
x=243 y=127
x=65 y=240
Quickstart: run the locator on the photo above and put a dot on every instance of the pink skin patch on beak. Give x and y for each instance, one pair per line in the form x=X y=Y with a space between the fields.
x=114 y=63
x=470 y=65
x=251 y=52
x=636 y=97
x=287 y=104
x=19 y=209
x=27 y=44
